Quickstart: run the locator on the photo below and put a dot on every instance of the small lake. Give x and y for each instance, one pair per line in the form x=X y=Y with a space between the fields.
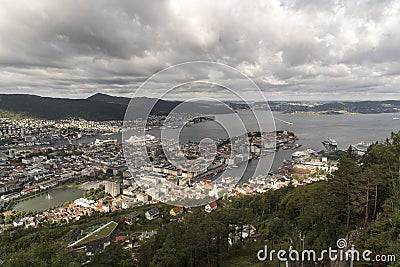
x=58 y=197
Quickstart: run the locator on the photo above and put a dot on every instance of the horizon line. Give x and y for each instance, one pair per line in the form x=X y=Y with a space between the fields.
x=177 y=99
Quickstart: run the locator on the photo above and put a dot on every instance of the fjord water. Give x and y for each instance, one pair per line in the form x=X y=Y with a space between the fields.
x=346 y=129
x=312 y=129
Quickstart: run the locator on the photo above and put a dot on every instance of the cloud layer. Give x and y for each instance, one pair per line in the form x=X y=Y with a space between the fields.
x=305 y=49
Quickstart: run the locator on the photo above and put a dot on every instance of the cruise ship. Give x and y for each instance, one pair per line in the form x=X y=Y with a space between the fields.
x=361 y=148
x=330 y=145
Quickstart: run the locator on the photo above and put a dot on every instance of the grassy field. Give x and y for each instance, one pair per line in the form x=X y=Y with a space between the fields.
x=91 y=229
x=103 y=232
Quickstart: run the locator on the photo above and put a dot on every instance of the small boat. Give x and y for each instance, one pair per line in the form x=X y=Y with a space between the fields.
x=49 y=196
x=396 y=118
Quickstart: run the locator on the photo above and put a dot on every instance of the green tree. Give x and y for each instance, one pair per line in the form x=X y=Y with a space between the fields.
x=43 y=254
x=9 y=219
x=345 y=184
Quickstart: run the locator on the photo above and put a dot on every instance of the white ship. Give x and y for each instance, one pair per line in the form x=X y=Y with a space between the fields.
x=330 y=145
x=361 y=148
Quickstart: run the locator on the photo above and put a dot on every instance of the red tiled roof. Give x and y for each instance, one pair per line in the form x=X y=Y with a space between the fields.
x=178 y=209
x=213 y=204
x=120 y=239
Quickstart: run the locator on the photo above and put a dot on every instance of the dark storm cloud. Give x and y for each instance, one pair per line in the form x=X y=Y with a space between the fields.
x=306 y=49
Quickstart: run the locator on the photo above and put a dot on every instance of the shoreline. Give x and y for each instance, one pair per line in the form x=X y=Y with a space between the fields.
x=41 y=194
x=37 y=194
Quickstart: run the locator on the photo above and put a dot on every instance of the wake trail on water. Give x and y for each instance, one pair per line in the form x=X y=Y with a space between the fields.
x=287 y=122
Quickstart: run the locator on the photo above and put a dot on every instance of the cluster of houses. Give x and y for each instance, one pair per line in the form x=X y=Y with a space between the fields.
x=34 y=132
x=31 y=170
x=306 y=167
x=102 y=235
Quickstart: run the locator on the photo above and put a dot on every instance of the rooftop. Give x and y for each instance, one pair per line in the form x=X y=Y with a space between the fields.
x=103 y=231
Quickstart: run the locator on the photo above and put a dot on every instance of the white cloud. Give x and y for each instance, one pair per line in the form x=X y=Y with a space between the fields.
x=305 y=48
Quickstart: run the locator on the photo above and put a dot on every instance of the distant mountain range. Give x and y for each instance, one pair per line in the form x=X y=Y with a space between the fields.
x=362 y=107
x=61 y=108
x=97 y=107
x=105 y=107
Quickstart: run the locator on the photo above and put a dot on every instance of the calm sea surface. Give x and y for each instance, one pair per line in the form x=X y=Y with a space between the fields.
x=311 y=129
x=58 y=197
x=346 y=129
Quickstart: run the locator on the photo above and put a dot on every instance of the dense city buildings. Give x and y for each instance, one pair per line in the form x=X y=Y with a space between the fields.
x=112 y=188
x=39 y=155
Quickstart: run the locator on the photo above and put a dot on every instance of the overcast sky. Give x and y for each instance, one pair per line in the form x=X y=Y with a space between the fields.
x=294 y=50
